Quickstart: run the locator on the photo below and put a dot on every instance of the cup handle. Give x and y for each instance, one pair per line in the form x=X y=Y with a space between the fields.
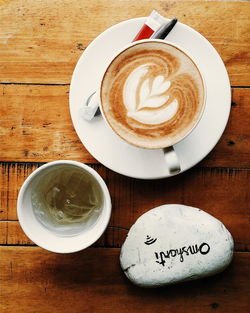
x=172 y=160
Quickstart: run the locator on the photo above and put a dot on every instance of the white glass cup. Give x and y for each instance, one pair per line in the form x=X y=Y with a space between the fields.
x=169 y=153
x=47 y=238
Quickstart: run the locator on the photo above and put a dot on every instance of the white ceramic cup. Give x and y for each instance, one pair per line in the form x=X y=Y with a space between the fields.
x=169 y=153
x=46 y=238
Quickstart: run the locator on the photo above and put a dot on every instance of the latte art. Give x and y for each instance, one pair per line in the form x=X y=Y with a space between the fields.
x=145 y=99
x=152 y=95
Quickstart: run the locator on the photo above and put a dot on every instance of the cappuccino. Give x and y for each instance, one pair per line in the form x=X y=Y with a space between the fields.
x=152 y=94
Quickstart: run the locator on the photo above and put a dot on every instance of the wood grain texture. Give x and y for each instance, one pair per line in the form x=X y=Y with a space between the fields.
x=220 y=192
x=41 y=40
x=233 y=149
x=40 y=43
x=11 y=233
x=33 y=280
x=35 y=126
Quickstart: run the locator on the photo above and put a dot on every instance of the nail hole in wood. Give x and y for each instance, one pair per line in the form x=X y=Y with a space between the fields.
x=214 y=305
x=230 y=143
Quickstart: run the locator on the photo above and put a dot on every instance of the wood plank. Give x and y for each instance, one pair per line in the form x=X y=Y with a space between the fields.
x=12 y=177
x=11 y=233
x=233 y=148
x=33 y=280
x=35 y=126
x=41 y=41
x=220 y=192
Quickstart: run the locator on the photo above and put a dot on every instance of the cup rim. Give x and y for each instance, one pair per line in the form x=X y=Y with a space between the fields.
x=183 y=50
x=84 y=242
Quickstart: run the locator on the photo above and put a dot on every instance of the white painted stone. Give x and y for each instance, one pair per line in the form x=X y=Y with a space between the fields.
x=174 y=243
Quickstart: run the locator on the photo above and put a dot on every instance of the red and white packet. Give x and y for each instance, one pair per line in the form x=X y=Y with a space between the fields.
x=153 y=22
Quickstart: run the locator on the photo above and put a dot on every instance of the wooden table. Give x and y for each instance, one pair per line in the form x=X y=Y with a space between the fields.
x=40 y=43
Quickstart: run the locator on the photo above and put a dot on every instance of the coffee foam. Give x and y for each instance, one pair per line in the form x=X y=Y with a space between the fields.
x=152 y=95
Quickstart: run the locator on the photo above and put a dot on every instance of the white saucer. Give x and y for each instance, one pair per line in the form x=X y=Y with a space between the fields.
x=131 y=161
